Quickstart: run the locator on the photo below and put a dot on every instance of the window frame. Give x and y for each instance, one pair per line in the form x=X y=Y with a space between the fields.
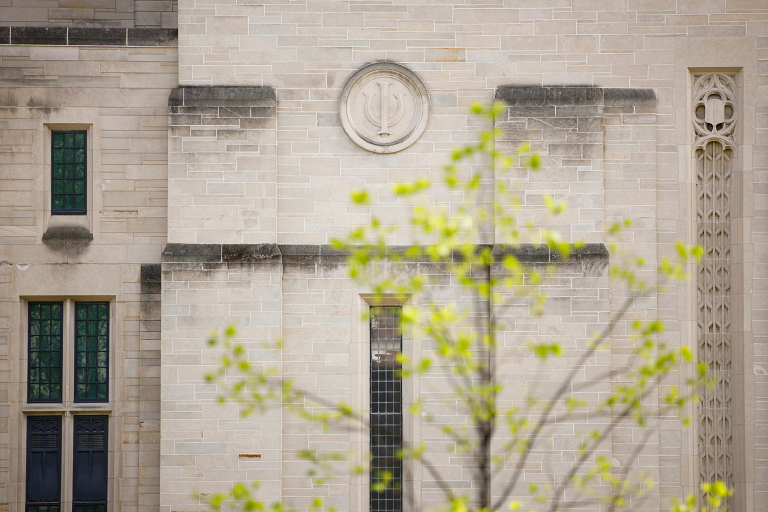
x=74 y=352
x=84 y=210
x=29 y=353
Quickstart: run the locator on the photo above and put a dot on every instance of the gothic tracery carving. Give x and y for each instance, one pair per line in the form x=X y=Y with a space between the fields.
x=714 y=123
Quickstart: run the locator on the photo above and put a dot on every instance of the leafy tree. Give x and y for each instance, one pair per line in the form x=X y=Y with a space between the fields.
x=462 y=343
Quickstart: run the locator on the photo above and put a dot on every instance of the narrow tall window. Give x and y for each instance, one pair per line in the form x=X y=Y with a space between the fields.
x=386 y=409
x=43 y=464
x=91 y=351
x=89 y=471
x=45 y=352
x=68 y=182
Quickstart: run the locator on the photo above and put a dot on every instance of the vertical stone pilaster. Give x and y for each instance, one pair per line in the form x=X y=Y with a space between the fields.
x=222 y=165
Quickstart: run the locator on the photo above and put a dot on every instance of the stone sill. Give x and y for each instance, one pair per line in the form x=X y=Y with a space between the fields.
x=61 y=408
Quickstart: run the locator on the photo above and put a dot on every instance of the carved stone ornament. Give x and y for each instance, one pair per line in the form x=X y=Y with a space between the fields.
x=384 y=107
x=714 y=111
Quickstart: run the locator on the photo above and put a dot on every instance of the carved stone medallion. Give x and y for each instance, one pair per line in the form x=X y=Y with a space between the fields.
x=384 y=107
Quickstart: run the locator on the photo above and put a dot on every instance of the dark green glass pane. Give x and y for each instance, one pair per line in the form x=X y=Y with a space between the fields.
x=34 y=328
x=80 y=140
x=45 y=328
x=81 y=343
x=103 y=311
x=45 y=391
x=80 y=312
x=58 y=171
x=103 y=327
x=80 y=374
x=56 y=311
x=45 y=343
x=92 y=328
x=69 y=139
x=92 y=391
x=80 y=202
x=80 y=171
x=102 y=377
x=79 y=186
x=34 y=343
x=58 y=156
x=34 y=359
x=103 y=343
x=92 y=375
x=45 y=309
x=55 y=327
x=68 y=202
x=69 y=171
x=92 y=343
x=81 y=328
x=58 y=187
x=81 y=391
x=93 y=311
x=34 y=391
x=55 y=375
x=56 y=360
x=102 y=360
x=55 y=390
x=80 y=359
x=69 y=156
x=69 y=187
x=34 y=311
x=102 y=391
x=79 y=156
x=45 y=375
x=56 y=343
x=91 y=363
x=58 y=202
x=34 y=375
x=58 y=140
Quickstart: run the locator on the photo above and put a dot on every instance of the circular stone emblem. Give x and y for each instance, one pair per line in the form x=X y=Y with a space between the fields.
x=384 y=107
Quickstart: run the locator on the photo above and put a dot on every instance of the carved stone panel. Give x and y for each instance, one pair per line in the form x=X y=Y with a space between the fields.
x=384 y=107
x=714 y=122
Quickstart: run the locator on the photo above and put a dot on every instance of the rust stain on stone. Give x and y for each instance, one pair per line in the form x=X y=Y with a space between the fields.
x=250 y=456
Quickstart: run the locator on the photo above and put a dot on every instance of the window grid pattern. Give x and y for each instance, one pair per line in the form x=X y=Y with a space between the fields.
x=91 y=351
x=45 y=352
x=386 y=408
x=68 y=190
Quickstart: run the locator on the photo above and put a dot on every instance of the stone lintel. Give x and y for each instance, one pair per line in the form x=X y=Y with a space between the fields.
x=249 y=253
x=585 y=95
x=224 y=95
x=89 y=36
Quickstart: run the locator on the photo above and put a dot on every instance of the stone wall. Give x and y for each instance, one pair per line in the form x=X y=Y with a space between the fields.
x=304 y=295
x=90 y=13
x=119 y=95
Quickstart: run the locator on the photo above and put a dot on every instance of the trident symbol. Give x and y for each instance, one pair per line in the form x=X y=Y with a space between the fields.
x=384 y=121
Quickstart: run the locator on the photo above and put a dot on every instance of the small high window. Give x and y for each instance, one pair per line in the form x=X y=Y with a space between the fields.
x=69 y=171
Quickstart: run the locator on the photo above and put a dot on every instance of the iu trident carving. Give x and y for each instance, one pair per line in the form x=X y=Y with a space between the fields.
x=384 y=107
x=384 y=121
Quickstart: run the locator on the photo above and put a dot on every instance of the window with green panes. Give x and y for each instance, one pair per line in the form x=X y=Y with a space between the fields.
x=45 y=351
x=91 y=351
x=69 y=161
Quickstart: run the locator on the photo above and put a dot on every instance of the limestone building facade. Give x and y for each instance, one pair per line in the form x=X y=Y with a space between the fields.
x=171 y=167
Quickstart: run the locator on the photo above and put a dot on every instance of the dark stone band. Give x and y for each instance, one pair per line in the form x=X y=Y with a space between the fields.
x=249 y=253
x=518 y=96
x=89 y=36
x=222 y=95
